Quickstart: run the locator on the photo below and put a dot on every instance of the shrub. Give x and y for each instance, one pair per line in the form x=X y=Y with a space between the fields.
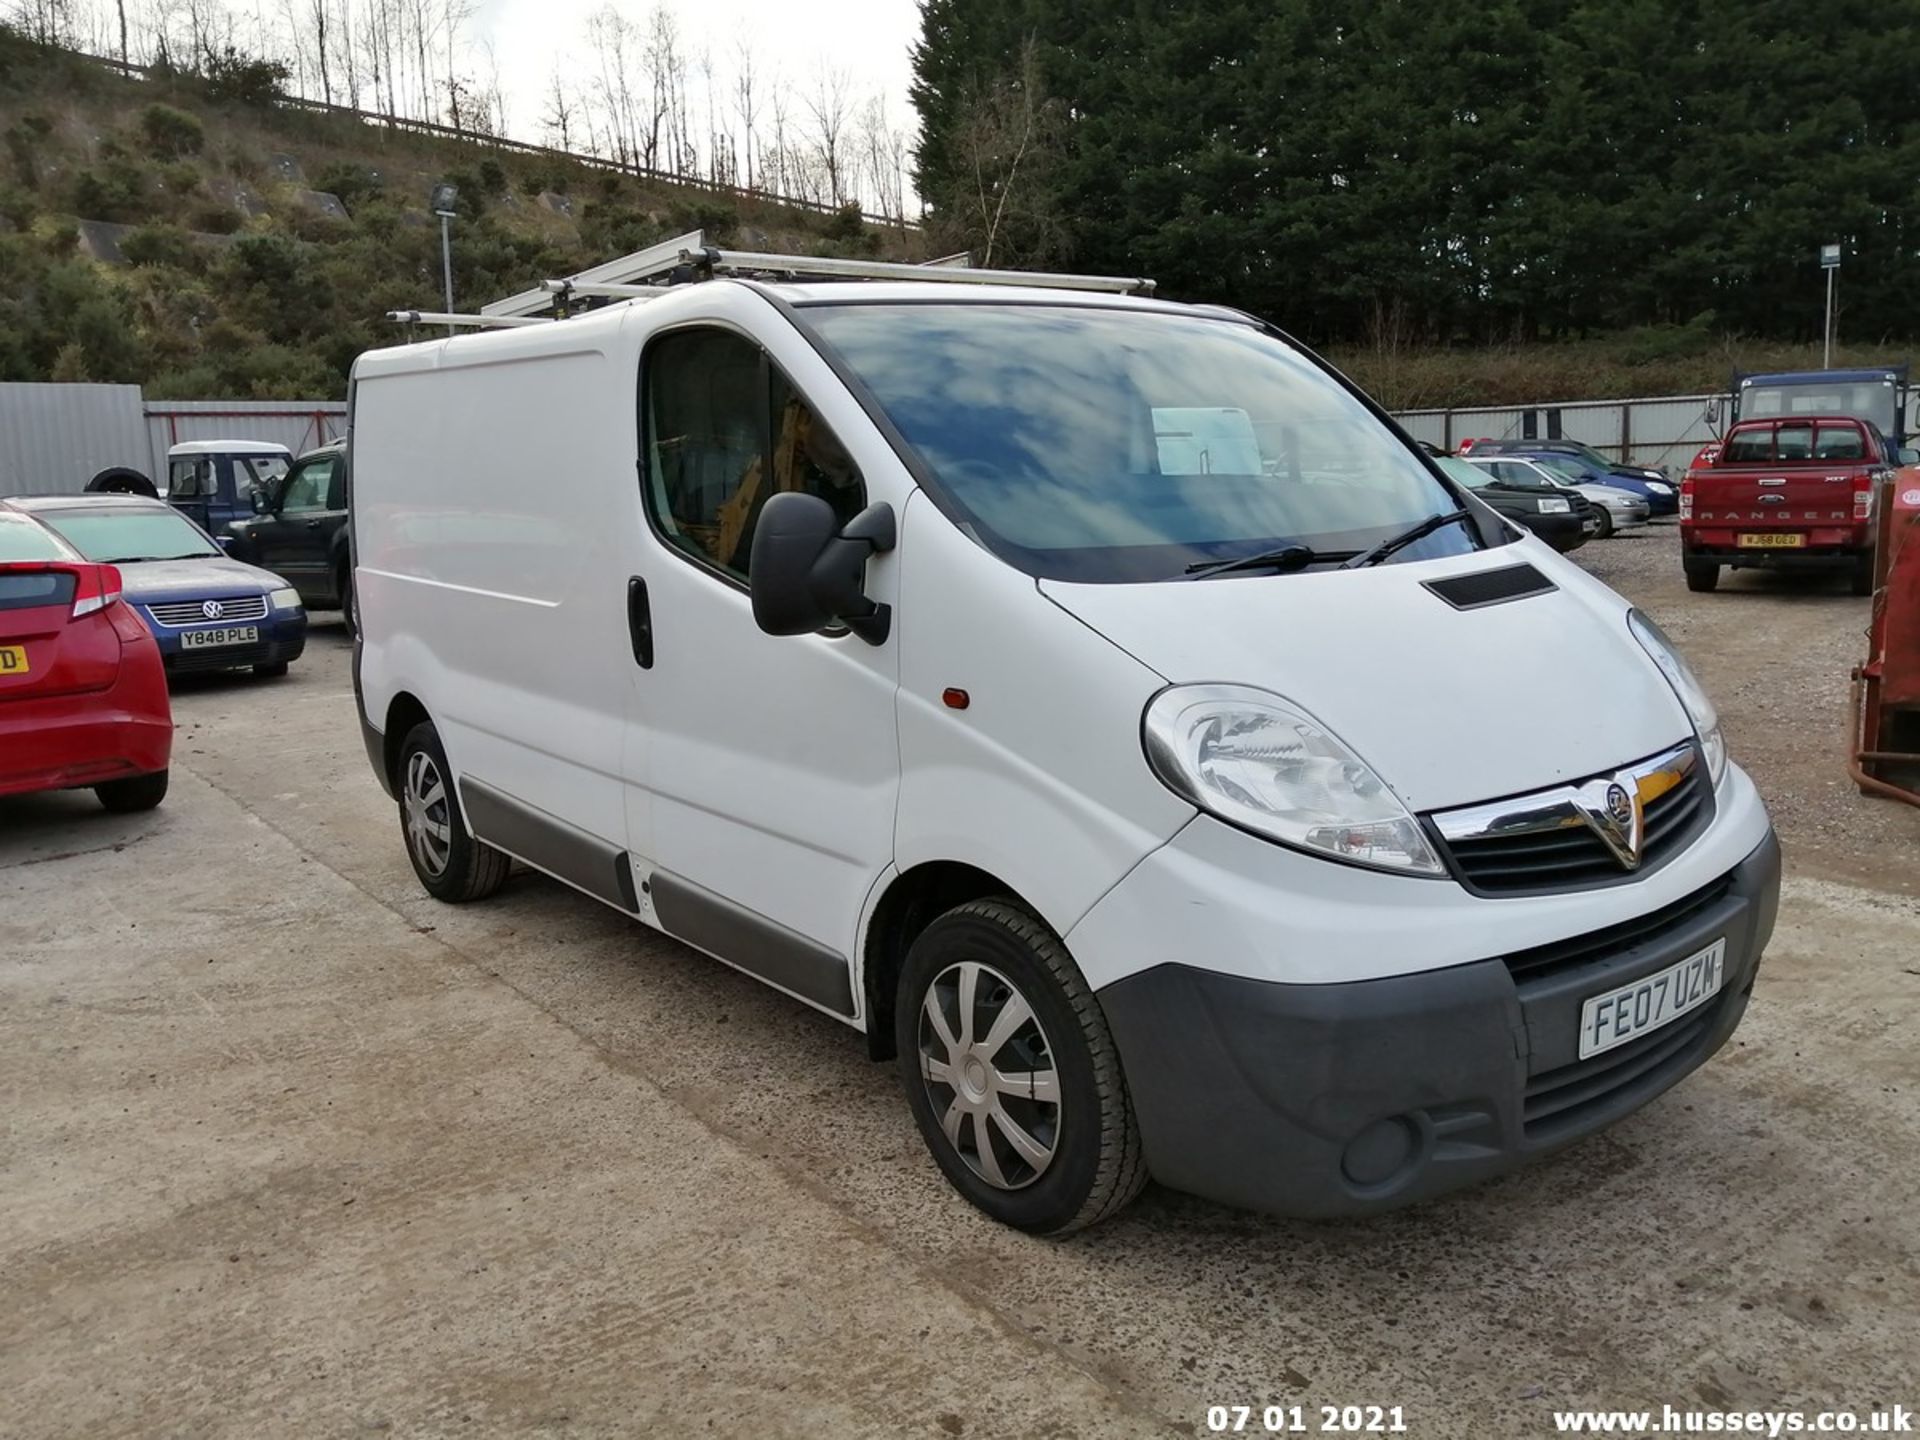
x=709 y=215
x=352 y=183
x=116 y=191
x=845 y=223
x=213 y=217
x=17 y=207
x=244 y=79
x=22 y=156
x=158 y=245
x=493 y=180
x=179 y=179
x=170 y=133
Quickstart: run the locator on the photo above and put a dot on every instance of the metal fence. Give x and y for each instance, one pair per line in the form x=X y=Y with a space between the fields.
x=1662 y=431
x=55 y=438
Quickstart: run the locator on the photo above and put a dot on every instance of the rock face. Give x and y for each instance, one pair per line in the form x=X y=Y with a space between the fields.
x=238 y=194
x=100 y=240
x=558 y=204
x=321 y=203
x=286 y=167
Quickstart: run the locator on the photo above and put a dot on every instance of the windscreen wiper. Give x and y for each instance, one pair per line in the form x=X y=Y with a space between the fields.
x=1405 y=538
x=1286 y=558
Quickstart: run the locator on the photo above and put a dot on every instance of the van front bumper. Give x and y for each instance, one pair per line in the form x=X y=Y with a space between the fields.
x=1322 y=1100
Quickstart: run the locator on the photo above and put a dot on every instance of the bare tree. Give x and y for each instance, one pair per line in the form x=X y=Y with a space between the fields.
x=559 y=116
x=829 y=105
x=318 y=13
x=746 y=100
x=1007 y=142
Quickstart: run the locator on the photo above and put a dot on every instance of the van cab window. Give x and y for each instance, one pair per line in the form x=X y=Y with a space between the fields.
x=726 y=430
x=1099 y=444
x=189 y=479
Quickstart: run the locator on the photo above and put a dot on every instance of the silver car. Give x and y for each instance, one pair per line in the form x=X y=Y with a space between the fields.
x=1613 y=510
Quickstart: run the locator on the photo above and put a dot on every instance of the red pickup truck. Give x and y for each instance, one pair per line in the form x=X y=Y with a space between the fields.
x=1787 y=493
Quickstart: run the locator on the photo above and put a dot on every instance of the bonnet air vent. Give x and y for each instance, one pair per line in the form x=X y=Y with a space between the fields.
x=1491 y=587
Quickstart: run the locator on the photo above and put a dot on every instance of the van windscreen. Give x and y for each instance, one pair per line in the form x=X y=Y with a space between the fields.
x=1090 y=444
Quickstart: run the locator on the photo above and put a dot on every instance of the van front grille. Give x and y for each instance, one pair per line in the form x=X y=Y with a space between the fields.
x=1555 y=840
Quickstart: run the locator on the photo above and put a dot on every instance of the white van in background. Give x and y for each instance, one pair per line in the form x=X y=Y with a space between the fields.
x=1094 y=700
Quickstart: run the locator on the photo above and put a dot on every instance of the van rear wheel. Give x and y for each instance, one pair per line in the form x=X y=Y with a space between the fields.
x=1012 y=1074
x=451 y=863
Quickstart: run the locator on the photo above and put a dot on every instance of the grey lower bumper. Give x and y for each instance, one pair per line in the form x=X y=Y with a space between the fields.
x=1327 y=1100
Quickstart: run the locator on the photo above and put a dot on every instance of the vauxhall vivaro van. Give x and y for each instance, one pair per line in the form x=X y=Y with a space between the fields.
x=1096 y=701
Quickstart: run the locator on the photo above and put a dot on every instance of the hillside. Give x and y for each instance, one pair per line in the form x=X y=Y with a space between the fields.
x=198 y=236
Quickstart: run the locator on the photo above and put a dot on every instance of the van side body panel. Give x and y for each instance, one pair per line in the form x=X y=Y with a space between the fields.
x=1042 y=779
x=492 y=562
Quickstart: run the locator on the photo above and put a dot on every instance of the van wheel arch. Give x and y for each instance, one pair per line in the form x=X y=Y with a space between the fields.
x=403 y=714
x=911 y=903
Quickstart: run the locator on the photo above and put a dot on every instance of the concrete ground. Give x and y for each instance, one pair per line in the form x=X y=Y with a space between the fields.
x=289 y=1149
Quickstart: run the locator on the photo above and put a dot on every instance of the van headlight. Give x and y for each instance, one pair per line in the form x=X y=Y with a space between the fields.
x=288 y=599
x=1686 y=685
x=1254 y=760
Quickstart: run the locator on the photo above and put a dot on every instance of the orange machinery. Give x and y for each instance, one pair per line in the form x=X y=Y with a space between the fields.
x=1886 y=690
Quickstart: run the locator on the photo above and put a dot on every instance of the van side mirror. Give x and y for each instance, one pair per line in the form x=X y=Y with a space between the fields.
x=262 y=502
x=807 y=571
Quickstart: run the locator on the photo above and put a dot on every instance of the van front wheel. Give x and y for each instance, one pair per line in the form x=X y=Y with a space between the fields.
x=1012 y=1074
x=451 y=863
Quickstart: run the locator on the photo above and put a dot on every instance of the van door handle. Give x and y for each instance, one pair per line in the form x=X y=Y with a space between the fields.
x=639 y=622
x=313 y=524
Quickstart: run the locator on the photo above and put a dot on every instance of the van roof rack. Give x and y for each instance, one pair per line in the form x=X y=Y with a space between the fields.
x=645 y=273
x=476 y=322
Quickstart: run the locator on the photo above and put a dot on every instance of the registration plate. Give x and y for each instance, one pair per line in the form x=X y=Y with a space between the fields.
x=13 y=660
x=1777 y=540
x=219 y=635
x=1648 y=1003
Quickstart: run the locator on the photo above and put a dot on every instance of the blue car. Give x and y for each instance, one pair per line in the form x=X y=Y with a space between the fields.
x=206 y=610
x=1584 y=465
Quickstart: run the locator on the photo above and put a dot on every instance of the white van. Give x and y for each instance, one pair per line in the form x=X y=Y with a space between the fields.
x=1096 y=701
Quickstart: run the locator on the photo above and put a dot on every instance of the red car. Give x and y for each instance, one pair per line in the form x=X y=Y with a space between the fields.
x=83 y=693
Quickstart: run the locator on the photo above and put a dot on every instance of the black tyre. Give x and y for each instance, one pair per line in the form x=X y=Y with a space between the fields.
x=1012 y=1074
x=348 y=614
x=1702 y=577
x=1862 y=575
x=451 y=864
x=142 y=792
x=1603 y=523
x=271 y=672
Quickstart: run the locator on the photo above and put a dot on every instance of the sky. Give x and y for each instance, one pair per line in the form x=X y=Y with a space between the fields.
x=868 y=38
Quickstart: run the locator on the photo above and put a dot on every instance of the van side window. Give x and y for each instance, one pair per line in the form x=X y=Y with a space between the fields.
x=726 y=430
x=190 y=478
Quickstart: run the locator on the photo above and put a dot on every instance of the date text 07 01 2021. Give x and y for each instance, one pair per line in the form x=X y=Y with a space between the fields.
x=1308 y=1419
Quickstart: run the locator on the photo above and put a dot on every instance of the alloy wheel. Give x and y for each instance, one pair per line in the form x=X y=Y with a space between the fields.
x=426 y=814
x=989 y=1073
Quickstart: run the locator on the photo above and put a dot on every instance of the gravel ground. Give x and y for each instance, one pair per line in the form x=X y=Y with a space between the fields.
x=1777 y=654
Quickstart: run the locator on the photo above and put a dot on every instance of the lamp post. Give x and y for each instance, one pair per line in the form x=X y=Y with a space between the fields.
x=1829 y=262
x=444 y=198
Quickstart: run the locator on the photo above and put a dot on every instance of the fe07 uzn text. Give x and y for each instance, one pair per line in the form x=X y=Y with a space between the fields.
x=1308 y=1419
